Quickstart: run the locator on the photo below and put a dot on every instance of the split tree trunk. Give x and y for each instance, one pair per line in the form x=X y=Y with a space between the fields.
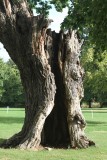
x=48 y=63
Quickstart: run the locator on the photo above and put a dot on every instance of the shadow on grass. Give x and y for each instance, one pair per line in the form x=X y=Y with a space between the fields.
x=93 y=123
x=10 y=120
x=1 y=140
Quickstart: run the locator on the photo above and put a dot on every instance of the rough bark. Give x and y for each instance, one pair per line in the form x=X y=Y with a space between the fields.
x=72 y=77
x=46 y=60
x=23 y=36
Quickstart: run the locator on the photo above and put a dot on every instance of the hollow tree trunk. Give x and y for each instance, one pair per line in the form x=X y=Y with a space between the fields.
x=46 y=60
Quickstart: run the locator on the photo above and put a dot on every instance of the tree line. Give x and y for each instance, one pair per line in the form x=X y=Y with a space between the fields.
x=95 y=80
x=11 y=90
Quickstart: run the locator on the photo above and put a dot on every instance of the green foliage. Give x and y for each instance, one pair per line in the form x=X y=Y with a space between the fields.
x=95 y=82
x=2 y=77
x=11 y=91
x=43 y=6
x=60 y=4
x=90 y=18
x=32 y=3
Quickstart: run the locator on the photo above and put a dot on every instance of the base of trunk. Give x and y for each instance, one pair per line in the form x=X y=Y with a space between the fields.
x=15 y=142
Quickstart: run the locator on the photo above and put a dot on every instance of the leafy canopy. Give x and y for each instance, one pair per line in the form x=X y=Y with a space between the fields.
x=90 y=18
x=43 y=6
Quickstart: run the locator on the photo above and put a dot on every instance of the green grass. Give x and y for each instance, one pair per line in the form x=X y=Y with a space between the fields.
x=10 y=122
x=96 y=130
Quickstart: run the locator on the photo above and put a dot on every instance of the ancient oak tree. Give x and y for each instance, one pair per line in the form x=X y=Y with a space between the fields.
x=51 y=75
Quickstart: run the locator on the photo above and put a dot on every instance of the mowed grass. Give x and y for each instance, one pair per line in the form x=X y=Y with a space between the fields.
x=11 y=122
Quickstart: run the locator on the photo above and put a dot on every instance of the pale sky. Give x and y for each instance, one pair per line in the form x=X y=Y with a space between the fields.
x=57 y=18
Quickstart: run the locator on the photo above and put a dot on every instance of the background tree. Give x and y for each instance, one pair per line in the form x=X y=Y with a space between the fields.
x=95 y=81
x=89 y=17
x=2 y=77
x=46 y=60
x=13 y=94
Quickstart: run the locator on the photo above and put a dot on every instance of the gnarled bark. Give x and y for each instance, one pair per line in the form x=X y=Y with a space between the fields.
x=73 y=74
x=24 y=40
x=48 y=63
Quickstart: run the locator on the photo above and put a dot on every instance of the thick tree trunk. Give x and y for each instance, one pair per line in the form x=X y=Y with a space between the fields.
x=72 y=77
x=25 y=43
x=46 y=60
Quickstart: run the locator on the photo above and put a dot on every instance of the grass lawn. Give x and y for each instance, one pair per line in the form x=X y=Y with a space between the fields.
x=11 y=122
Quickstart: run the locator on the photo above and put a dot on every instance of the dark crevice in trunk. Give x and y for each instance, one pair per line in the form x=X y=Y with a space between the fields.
x=56 y=128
